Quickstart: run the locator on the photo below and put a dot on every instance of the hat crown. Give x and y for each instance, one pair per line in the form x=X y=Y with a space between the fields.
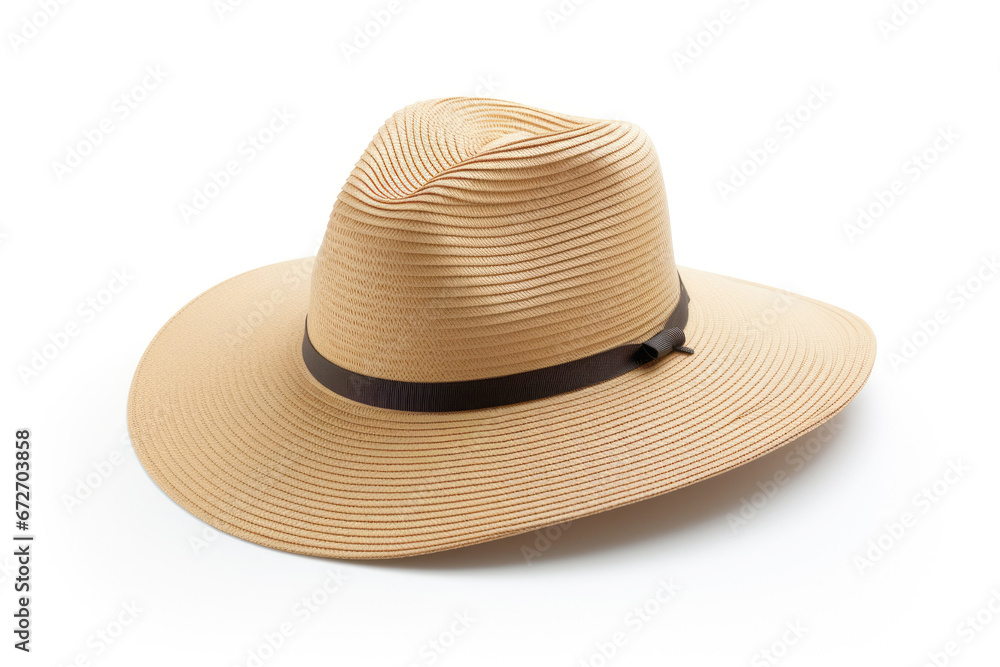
x=477 y=238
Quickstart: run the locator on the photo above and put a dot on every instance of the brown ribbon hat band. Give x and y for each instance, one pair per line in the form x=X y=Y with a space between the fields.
x=505 y=390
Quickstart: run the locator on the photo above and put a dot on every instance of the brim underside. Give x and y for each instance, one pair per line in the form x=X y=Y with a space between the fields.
x=226 y=419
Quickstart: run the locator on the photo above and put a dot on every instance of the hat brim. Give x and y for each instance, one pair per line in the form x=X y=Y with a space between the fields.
x=226 y=419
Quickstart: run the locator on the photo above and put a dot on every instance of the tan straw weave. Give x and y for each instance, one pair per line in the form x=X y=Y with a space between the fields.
x=475 y=239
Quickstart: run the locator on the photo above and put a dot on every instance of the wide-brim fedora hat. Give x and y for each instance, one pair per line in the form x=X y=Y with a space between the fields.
x=493 y=338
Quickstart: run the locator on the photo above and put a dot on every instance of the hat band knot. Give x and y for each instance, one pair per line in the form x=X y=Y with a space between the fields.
x=504 y=390
x=664 y=343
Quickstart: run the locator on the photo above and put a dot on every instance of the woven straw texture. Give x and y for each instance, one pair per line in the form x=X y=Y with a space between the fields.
x=482 y=238
x=477 y=238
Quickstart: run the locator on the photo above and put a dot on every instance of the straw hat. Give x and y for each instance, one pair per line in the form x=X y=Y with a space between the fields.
x=493 y=338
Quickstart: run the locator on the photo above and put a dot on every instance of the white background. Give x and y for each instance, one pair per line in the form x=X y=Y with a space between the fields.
x=795 y=561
